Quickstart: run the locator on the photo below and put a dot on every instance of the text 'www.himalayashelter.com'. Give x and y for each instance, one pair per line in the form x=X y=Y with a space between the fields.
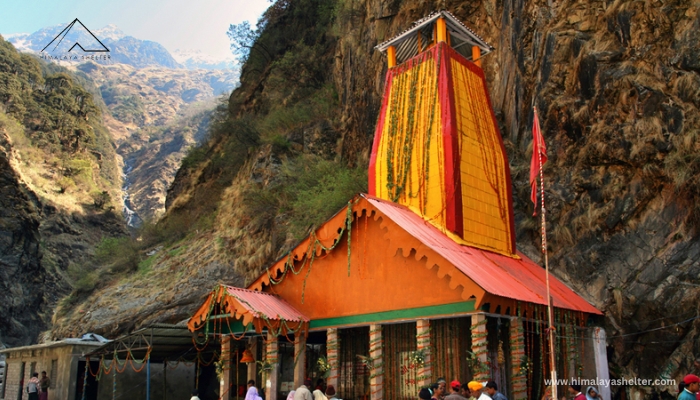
x=612 y=382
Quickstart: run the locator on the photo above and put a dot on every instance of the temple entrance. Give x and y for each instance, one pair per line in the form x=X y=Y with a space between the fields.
x=353 y=380
x=89 y=386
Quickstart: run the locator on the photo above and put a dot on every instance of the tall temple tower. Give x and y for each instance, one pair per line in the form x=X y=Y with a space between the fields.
x=437 y=148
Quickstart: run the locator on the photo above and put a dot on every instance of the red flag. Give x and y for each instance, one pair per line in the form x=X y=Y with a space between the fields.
x=539 y=157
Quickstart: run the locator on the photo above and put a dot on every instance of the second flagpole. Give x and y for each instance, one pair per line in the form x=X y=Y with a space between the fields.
x=550 y=330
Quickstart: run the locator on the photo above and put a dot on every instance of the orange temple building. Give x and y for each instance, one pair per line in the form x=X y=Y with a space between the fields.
x=420 y=278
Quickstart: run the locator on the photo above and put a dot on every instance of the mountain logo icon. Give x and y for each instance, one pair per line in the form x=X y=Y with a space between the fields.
x=76 y=35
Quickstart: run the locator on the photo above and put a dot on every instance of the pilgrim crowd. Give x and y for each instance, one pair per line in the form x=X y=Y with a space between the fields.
x=689 y=389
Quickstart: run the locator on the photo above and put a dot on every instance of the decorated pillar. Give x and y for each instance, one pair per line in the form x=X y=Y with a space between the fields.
x=571 y=352
x=391 y=56
x=224 y=368
x=518 y=359
x=601 y=361
x=272 y=368
x=425 y=368
x=252 y=366
x=332 y=348
x=376 y=373
x=476 y=55
x=441 y=30
x=480 y=365
x=299 y=360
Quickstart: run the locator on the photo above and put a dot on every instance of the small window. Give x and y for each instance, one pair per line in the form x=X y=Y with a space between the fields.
x=2 y=384
x=54 y=373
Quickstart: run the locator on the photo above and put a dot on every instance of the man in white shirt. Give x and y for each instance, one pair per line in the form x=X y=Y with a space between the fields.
x=303 y=392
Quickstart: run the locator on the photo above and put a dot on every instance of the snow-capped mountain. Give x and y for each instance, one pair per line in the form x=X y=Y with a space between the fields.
x=196 y=59
x=110 y=31
x=122 y=48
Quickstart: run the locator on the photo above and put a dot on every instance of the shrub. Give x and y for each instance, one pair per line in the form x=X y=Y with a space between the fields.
x=122 y=254
x=101 y=199
x=65 y=184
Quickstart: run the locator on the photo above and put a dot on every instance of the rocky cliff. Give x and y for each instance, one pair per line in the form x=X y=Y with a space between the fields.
x=58 y=176
x=617 y=87
x=154 y=116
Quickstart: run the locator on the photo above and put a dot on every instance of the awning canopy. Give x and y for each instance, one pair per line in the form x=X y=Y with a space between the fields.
x=158 y=342
x=262 y=310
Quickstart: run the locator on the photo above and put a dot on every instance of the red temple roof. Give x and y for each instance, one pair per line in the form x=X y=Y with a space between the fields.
x=520 y=279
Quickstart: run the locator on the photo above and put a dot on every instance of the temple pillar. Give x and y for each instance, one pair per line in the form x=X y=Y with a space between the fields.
x=601 y=361
x=300 y=360
x=517 y=355
x=332 y=348
x=271 y=357
x=571 y=350
x=425 y=371
x=480 y=345
x=476 y=55
x=225 y=382
x=391 y=56
x=441 y=30
x=376 y=376
x=253 y=367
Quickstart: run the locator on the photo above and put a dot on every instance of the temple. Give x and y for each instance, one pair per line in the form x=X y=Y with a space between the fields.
x=419 y=278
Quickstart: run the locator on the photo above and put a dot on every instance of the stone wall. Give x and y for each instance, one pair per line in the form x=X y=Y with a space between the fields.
x=60 y=364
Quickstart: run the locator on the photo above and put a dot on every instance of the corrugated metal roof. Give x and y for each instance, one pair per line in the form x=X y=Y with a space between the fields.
x=161 y=342
x=519 y=279
x=267 y=305
x=59 y=343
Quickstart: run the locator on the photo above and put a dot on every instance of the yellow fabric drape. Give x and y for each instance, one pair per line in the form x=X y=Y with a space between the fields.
x=483 y=165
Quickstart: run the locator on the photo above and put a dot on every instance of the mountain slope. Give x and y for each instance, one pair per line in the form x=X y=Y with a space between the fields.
x=59 y=174
x=156 y=115
x=122 y=49
x=616 y=85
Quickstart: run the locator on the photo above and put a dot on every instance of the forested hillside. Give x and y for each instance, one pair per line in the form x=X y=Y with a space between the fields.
x=60 y=189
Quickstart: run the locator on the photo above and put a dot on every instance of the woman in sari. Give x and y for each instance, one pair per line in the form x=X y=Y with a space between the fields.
x=592 y=393
x=252 y=393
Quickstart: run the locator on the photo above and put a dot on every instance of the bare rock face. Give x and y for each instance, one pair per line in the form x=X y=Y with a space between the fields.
x=21 y=275
x=157 y=114
x=39 y=242
x=617 y=89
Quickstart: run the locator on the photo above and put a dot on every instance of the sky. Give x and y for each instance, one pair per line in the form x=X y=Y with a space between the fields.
x=176 y=24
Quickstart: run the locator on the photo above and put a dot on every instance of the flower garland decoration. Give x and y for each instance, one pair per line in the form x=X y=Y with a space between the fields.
x=314 y=247
x=324 y=367
x=478 y=367
x=475 y=364
x=418 y=357
x=265 y=366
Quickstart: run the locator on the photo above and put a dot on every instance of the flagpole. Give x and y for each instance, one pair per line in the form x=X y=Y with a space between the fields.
x=550 y=330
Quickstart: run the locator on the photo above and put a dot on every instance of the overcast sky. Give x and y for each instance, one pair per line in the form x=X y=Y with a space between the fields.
x=176 y=24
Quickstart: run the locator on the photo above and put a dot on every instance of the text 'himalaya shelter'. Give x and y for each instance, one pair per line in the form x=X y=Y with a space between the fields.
x=420 y=278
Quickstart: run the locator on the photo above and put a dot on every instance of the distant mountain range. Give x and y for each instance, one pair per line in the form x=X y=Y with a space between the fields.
x=194 y=59
x=124 y=49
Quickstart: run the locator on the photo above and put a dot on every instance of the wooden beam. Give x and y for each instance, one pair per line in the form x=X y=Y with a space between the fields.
x=391 y=56
x=476 y=55
x=441 y=30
